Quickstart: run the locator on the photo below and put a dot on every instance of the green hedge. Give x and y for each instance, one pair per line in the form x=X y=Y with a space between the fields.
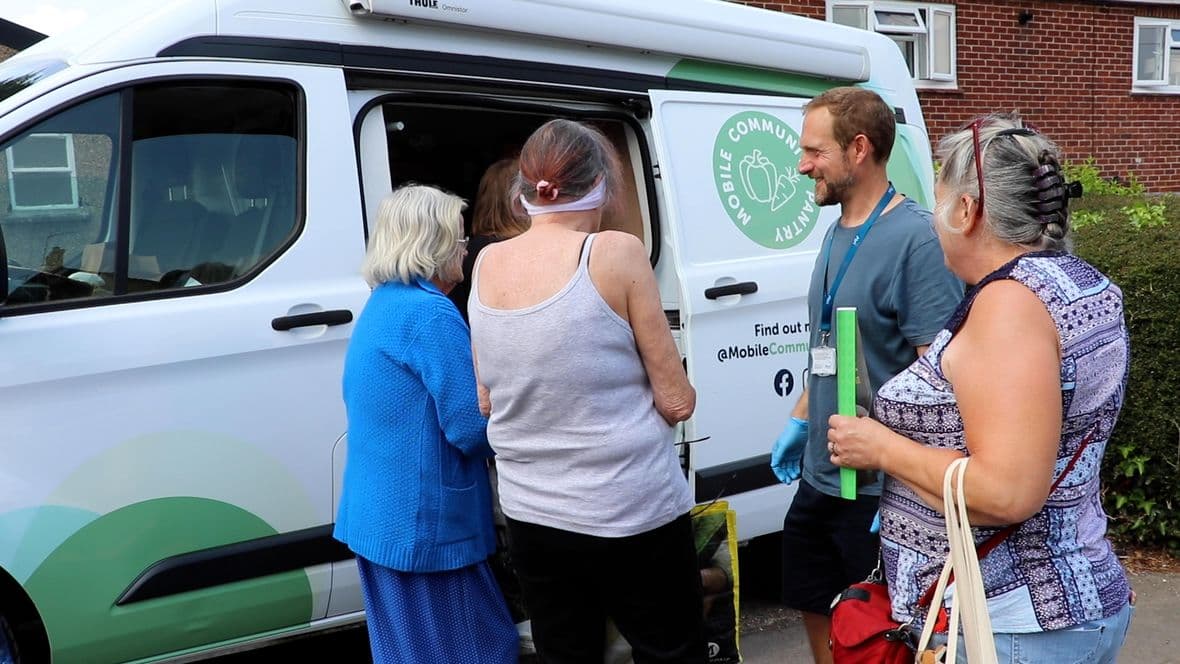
x=1133 y=238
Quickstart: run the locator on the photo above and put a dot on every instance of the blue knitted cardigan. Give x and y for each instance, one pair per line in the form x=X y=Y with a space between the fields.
x=416 y=495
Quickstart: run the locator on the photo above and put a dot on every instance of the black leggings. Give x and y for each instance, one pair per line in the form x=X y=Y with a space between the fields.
x=649 y=584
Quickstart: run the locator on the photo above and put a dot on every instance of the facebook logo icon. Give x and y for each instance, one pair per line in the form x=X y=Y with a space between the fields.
x=784 y=382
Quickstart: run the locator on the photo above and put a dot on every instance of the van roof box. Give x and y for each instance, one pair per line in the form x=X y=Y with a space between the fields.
x=702 y=29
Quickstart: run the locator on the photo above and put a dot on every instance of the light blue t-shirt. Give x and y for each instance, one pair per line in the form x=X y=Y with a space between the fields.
x=903 y=292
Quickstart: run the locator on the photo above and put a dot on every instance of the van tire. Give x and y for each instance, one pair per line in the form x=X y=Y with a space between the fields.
x=8 y=650
x=20 y=624
x=26 y=645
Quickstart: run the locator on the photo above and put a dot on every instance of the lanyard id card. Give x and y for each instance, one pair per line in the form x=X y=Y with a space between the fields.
x=823 y=360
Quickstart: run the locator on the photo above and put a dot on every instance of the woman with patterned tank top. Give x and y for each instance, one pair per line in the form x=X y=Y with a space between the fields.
x=582 y=383
x=1027 y=378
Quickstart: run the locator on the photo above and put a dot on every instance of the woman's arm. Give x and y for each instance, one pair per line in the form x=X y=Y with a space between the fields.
x=443 y=359
x=621 y=265
x=1004 y=366
x=485 y=395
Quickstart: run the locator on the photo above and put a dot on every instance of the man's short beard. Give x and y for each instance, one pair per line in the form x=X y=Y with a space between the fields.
x=835 y=191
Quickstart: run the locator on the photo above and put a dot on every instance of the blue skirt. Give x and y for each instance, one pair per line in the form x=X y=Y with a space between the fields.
x=437 y=617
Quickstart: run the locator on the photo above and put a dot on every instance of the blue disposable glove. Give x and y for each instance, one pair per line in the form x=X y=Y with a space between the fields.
x=786 y=459
x=875 y=527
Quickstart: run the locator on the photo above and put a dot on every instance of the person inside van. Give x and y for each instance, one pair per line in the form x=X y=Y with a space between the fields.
x=583 y=383
x=496 y=217
x=416 y=505
x=1028 y=379
x=882 y=256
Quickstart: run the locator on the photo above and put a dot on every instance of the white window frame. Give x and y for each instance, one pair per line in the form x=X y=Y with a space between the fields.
x=1171 y=43
x=70 y=168
x=919 y=27
x=922 y=34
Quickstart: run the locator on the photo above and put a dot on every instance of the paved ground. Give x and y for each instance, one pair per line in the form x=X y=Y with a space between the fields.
x=1154 y=637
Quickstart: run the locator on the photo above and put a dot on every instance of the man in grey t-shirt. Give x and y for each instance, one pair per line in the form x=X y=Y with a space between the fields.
x=883 y=258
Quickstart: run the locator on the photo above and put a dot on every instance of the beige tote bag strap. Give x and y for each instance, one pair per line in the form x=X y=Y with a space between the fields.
x=932 y=613
x=969 y=603
x=970 y=597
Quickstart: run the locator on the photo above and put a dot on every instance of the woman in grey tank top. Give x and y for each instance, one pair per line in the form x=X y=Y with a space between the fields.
x=582 y=384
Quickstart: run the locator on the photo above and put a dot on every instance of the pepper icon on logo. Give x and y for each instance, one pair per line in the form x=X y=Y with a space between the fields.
x=763 y=183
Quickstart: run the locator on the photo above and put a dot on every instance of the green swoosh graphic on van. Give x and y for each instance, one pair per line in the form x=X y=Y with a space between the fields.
x=76 y=587
x=191 y=463
x=159 y=495
x=28 y=536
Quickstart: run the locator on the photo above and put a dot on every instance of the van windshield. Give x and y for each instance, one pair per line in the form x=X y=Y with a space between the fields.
x=20 y=74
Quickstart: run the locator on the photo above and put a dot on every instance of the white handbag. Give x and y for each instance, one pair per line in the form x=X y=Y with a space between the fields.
x=969 y=604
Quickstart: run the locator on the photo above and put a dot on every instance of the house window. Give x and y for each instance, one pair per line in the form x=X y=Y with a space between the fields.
x=1157 y=55
x=924 y=33
x=41 y=174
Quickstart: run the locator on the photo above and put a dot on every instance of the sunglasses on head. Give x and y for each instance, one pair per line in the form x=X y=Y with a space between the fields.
x=975 y=126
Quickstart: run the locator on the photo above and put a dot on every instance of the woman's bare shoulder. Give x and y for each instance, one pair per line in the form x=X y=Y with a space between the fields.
x=1008 y=318
x=1004 y=301
x=497 y=252
x=618 y=245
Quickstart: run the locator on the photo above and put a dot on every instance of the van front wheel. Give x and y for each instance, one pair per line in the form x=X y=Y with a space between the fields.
x=7 y=643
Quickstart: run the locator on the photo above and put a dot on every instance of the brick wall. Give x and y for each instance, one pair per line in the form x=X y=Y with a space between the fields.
x=809 y=8
x=1068 y=71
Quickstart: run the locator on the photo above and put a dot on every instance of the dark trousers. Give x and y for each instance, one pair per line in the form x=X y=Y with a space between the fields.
x=827 y=547
x=649 y=584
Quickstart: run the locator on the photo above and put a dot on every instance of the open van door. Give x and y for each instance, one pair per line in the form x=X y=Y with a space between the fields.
x=745 y=230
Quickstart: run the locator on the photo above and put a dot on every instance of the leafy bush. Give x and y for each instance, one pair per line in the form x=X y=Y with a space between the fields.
x=1142 y=214
x=1095 y=184
x=1132 y=238
x=1083 y=218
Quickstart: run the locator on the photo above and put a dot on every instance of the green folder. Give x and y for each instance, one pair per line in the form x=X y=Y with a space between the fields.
x=846 y=383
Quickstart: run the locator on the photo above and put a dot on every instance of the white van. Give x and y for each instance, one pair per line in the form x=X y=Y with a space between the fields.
x=184 y=186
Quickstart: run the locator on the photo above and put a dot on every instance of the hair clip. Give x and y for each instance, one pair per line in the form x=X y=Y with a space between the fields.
x=1017 y=131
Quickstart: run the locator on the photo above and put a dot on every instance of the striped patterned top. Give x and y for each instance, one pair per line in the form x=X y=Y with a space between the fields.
x=1057 y=569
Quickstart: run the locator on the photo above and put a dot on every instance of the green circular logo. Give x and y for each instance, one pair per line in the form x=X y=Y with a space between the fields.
x=755 y=164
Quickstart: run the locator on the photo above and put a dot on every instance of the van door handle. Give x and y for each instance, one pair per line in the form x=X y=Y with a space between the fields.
x=740 y=288
x=330 y=317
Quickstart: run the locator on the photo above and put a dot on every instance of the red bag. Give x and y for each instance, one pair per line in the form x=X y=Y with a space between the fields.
x=863 y=628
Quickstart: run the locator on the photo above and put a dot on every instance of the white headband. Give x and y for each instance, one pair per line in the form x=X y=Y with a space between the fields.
x=590 y=201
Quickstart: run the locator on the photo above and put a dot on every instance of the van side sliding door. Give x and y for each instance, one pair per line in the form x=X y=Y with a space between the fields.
x=745 y=230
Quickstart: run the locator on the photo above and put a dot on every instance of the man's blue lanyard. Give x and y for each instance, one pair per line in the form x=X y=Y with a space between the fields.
x=825 y=318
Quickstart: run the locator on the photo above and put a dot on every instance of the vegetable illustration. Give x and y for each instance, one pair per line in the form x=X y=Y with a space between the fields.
x=785 y=190
x=759 y=177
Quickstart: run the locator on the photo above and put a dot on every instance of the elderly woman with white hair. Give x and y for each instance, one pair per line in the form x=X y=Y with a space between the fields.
x=416 y=505
x=1027 y=379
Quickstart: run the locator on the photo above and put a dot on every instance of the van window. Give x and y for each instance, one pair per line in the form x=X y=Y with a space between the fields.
x=212 y=191
x=50 y=215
